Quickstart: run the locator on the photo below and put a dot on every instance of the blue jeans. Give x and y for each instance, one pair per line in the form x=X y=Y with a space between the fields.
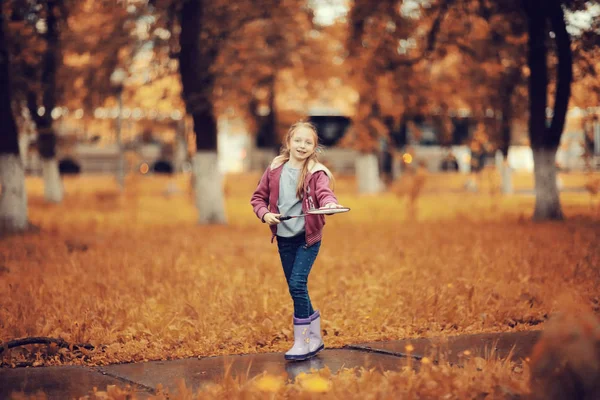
x=297 y=261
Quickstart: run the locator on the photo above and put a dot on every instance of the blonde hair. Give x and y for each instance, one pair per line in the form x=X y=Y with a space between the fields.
x=284 y=154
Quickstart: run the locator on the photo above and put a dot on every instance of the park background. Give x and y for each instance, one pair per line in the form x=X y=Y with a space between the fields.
x=463 y=134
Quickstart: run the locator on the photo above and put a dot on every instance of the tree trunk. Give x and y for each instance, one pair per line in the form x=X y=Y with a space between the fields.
x=181 y=148
x=53 y=188
x=547 y=201
x=266 y=125
x=9 y=138
x=545 y=141
x=367 y=143
x=506 y=177
x=195 y=61
x=505 y=171
x=23 y=147
x=564 y=72
x=538 y=78
x=367 y=174
x=53 y=191
x=13 y=196
x=208 y=184
x=505 y=132
x=46 y=144
x=46 y=136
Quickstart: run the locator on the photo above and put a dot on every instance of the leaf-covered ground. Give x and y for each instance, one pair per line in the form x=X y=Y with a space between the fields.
x=135 y=276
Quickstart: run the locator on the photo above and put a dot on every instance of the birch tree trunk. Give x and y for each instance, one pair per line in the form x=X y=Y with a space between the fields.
x=505 y=171
x=13 y=196
x=195 y=60
x=367 y=174
x=53 y=187
x=506 y=176
x=510 y=81
x=545 y=140
x=547 y=201
x=46 y=136
x=208 y=185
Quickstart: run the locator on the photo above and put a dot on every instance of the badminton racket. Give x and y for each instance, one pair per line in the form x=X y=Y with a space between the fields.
x=317 y=211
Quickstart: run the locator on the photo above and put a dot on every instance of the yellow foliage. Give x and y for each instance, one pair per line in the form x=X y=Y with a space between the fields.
x=313 y=383
x=134 y=274
x=269 y=383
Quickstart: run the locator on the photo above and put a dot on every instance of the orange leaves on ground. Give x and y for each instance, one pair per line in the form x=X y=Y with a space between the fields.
x=141 y=280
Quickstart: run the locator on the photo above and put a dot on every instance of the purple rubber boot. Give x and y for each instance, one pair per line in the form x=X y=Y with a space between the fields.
x=300 y=350
x=316 y=341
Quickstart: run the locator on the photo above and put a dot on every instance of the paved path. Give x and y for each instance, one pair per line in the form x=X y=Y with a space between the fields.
x=67 y=382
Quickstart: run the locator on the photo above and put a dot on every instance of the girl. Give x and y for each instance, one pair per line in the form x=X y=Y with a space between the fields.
x=294 y=183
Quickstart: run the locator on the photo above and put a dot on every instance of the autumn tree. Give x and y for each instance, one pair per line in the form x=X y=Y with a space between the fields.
x=490 y=50
x=317 y=81
x=381 y=38
x=199 y=31
x=544 y=20
x=13 y=196
x=66 y=52
x=324 y=74
x=100 y=37
x=37 y=38
x=249 y=66
x=547 y=34
x=447 y=56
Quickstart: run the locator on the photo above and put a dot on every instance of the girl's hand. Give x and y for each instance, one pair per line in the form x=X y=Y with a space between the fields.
x=332 y=205
x=271 y=218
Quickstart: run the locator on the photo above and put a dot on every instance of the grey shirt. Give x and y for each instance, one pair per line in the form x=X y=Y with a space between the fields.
x=288 y=203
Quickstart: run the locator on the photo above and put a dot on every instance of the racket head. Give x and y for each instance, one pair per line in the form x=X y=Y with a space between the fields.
x=328 y=211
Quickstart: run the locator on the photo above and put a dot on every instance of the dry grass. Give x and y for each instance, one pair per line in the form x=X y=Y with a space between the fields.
x=137 y=276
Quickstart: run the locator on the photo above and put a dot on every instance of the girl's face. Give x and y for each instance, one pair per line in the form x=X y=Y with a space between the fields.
x=302 y=143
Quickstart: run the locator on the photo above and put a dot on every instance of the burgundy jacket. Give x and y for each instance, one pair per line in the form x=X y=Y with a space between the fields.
x=316 y=194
